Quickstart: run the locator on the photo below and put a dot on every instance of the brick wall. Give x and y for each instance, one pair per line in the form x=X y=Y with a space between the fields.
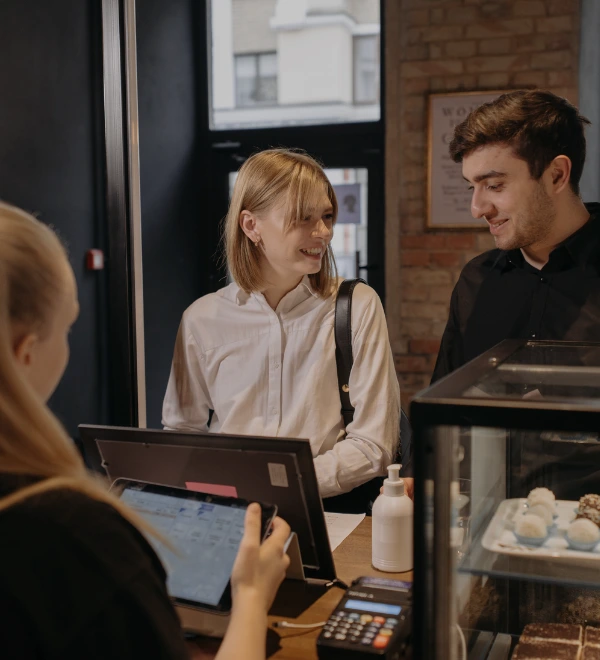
x=451 y=45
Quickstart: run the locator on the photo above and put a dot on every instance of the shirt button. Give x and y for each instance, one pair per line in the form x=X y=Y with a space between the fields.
x=533 y=335
x=276 y=365
x=543 y=280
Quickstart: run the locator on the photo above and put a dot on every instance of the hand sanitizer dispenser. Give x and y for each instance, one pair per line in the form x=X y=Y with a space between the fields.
x=392 y=540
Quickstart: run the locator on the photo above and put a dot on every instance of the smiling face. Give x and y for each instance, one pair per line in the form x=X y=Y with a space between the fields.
x=517 y=208
x=290 y=252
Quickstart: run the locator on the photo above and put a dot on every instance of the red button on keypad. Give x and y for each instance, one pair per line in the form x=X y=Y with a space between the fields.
x=380 y=642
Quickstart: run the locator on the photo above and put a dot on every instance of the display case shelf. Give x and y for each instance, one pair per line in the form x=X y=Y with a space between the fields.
x=479 y=561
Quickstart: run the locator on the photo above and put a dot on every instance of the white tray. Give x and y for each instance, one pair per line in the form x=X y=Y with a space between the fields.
x=499 y=537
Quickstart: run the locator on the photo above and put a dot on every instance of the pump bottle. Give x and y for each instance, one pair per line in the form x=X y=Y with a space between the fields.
x=392 y=540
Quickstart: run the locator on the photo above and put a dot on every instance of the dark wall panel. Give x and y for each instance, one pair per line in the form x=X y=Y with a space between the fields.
x=49 y=155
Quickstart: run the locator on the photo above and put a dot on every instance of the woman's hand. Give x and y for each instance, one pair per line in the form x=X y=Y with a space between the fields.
x=259 y=568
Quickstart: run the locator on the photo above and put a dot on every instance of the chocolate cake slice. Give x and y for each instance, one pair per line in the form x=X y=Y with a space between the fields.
x=546 y=651
x=592 y=636
x=568 y=633
x=590 y=653
x=589 y=507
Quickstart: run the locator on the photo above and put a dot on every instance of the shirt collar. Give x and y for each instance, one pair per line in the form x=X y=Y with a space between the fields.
x=306 y=283
x=241 y=297
x=579 y=247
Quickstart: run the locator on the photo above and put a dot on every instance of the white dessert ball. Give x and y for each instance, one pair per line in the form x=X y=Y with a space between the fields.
x=583 y=531
x=544 y=511
x=531 y=526
x=538 y=495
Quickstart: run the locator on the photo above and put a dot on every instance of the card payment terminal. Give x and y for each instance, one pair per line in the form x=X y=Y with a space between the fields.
x=373 y=620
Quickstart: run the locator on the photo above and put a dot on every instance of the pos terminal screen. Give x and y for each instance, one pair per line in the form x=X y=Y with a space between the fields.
x=367 y=606
x=205 y=534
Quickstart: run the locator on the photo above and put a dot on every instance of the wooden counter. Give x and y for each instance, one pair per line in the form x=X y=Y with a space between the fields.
x=352 y=559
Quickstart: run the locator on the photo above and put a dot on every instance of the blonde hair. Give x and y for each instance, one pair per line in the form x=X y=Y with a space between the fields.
x=266 y=179
x=32 y=441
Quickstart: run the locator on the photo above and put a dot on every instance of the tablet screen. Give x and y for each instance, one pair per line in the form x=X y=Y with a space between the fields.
x=206 y=534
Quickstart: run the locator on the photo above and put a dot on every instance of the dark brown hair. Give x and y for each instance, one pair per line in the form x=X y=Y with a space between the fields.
x=538 y=125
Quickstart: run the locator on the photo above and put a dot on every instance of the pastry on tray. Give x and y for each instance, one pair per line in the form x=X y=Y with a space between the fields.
x=589 y=507
x=546 y=650
x=567 y=633
x=542 y=496
x=590 y=653
x=583 y=534
x=592 y=636
x=543 y=511
x=530 y=529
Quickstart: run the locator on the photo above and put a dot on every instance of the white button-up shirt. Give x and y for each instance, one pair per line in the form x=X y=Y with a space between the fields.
x=273 y=373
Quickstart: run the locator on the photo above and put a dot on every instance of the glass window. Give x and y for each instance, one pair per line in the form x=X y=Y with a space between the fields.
x=255 y=79
x=267 y=62
x=366 y=69
x=349 y=242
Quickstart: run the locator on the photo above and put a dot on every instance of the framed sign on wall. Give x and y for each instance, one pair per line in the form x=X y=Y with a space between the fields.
x=448 y=196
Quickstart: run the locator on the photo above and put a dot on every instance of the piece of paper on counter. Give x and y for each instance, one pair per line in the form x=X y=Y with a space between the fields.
x=341 y=525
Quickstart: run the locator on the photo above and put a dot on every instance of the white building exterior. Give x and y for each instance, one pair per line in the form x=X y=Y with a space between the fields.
x=286 y=62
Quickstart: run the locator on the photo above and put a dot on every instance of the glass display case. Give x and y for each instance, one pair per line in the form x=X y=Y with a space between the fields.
x=503 y=570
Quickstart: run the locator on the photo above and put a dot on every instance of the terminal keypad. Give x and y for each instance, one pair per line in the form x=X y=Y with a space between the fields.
x=363 y=630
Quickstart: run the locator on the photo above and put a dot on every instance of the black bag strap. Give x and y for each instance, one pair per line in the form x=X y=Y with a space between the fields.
x=344 y=361
x=343 y=344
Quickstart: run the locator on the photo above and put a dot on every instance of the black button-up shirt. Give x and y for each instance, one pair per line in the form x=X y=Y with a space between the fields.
x=501 y=296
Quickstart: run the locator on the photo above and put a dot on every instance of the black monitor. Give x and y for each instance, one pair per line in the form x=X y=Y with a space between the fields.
x=274 y=470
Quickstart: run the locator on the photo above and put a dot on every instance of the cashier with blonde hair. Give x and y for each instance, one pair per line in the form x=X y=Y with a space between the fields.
x=260 y=352
x=77 y=577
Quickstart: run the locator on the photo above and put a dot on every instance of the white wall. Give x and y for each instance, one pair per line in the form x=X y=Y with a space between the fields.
x=252 y=32
x=315 y=65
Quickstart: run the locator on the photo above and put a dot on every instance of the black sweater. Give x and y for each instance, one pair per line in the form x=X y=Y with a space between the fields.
x=78 y=581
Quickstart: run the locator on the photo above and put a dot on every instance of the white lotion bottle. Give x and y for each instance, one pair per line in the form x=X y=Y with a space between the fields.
x=392 y=538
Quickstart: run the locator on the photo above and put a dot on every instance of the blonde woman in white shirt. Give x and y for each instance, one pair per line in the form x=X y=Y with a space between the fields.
x=260 y=352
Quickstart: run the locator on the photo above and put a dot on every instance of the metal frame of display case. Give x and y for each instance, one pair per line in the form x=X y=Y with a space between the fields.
x=439 y=406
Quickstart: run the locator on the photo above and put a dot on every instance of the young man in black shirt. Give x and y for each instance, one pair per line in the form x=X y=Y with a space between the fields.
x=522 y=156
